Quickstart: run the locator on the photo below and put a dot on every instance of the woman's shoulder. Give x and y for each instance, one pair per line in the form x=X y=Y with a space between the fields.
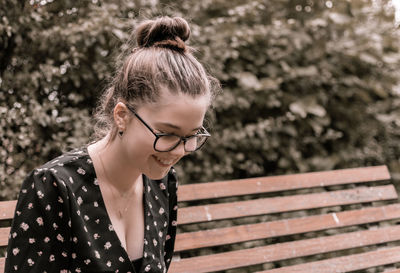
x=70 y=157
x=70 y=165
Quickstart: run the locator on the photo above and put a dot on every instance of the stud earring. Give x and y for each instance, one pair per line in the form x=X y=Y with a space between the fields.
x=120 y=133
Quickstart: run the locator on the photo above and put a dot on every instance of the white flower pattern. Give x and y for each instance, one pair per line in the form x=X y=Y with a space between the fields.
x=24 y=226
x=39 y=220
x=15 y=251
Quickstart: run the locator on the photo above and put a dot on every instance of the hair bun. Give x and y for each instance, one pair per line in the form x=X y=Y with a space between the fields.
x=164 y=32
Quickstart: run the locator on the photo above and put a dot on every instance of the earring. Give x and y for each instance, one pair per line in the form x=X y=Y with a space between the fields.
x=120 y=133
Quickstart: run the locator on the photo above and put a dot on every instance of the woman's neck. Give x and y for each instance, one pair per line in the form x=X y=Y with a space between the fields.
x=110 y=165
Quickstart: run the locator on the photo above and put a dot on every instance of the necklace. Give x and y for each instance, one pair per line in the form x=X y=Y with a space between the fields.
x=127 y=196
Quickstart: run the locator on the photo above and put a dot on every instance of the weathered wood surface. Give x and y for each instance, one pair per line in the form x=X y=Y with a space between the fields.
x=282 y=251
x=371 y=205
x=7 y=209
x=281 y=183
x=346 y=264
x=242 y=233
x=221 y=211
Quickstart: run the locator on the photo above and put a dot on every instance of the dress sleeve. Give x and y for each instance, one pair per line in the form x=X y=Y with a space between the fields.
x=172 y=225
x=39 y=239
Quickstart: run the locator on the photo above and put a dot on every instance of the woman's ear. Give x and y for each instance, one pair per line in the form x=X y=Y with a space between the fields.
x=121 y=116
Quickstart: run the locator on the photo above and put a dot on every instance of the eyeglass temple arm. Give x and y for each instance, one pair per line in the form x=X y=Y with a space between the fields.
x=144 y=123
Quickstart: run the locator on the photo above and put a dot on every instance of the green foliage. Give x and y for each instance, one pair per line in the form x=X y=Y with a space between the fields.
x=55 y=60
x=306 y=86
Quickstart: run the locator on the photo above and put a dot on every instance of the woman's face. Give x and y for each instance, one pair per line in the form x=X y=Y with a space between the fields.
x=179 y=114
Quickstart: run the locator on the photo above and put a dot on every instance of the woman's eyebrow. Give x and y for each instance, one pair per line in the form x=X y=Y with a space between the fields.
x=173 y=126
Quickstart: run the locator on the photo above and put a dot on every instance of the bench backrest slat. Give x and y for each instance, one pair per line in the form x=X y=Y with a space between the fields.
x=4 y=232
x=242 y=233
x=281 y=183
x=7 y=209
x=347 y=263
x=283 y=204
x=288 y=250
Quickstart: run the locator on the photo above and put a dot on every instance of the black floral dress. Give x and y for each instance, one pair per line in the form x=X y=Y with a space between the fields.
x=61 y=223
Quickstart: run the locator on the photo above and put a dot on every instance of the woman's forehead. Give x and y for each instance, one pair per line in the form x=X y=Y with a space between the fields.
x=181 y=111
x=168 y=100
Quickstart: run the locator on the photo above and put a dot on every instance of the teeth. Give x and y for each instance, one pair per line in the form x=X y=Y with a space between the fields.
x=165 y=162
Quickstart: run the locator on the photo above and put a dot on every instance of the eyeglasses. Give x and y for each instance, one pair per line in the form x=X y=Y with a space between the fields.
x=168 y=142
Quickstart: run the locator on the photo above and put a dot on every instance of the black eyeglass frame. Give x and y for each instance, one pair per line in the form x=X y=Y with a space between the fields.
x=158 y=135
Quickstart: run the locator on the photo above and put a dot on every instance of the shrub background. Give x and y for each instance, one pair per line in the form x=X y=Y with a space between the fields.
x=308 y=85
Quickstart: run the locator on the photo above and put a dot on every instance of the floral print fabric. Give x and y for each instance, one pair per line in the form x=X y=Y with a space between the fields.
x=61 y=223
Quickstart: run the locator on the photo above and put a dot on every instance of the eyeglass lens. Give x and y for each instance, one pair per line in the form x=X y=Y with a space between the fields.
x=166 y=143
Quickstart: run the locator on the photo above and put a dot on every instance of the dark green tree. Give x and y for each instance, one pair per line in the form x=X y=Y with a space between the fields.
x=308 y=85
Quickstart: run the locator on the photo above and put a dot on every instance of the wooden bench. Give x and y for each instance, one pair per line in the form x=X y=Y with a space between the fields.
x=334 y=221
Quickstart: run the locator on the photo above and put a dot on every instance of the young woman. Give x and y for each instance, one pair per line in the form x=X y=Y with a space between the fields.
x=111 y=206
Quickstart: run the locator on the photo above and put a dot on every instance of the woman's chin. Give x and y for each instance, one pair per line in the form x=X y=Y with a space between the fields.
x=157 y=175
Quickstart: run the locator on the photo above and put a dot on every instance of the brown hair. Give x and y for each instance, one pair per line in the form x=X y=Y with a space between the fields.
x=161 y=59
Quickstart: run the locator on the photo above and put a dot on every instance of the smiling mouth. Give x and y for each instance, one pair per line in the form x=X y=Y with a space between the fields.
x=163 y=162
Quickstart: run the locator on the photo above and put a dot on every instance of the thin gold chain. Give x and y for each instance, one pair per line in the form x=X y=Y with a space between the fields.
x=124 y=210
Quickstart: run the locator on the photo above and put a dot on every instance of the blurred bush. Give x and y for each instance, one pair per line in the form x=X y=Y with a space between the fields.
x=308 y=85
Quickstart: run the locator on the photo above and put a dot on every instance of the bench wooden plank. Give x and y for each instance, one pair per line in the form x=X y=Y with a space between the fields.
x=282 y=251
x=242 y=233
x=345 y=264
x=213 y=212
x=239 y=187
x=7 y=209
x=4 y=232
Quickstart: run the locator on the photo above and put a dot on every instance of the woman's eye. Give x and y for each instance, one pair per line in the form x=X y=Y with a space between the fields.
x=197 y=132
x=163 y=132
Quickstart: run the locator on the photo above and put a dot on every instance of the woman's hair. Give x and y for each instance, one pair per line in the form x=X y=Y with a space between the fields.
x=160 y=60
